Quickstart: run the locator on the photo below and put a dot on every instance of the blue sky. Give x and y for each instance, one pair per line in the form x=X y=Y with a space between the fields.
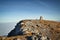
x=16 y=10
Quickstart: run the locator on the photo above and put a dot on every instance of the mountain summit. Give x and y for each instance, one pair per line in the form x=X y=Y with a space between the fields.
x=38 y=29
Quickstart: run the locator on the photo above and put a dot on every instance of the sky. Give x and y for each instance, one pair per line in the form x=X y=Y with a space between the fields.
x=16 y=10
x=12 y=11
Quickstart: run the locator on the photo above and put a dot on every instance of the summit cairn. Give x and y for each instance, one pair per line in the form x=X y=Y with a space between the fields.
x=41 y=17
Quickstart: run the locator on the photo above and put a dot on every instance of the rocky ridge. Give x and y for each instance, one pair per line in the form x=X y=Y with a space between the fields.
x=35 y=30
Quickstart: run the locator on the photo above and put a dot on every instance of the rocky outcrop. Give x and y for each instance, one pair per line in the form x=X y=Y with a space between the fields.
x=16 y=31
x=36 y=30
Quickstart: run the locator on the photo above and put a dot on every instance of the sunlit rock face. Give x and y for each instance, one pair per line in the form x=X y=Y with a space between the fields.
x=39 y=29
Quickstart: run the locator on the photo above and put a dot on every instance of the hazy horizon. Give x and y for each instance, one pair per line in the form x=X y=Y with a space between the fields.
x=5 y=28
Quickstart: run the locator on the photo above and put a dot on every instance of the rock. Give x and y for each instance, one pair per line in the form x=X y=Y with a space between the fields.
x=39 y=29
x=16 y=31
